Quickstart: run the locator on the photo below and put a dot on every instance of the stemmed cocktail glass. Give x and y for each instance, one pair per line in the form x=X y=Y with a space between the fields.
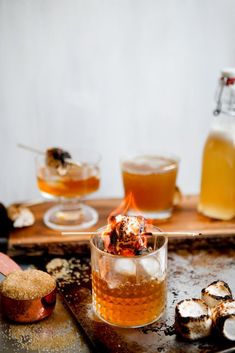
x=69 y=183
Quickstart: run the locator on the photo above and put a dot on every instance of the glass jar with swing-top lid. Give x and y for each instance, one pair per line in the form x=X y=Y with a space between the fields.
x=217 y=194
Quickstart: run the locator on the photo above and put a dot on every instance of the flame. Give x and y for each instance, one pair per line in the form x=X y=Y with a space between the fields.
x=138 y=240
x=127 y=203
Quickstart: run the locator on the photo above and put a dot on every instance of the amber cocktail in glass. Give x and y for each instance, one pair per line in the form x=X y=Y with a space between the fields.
x=150 y=180
x=129 y=291
x=217 y=196
x=69 y=185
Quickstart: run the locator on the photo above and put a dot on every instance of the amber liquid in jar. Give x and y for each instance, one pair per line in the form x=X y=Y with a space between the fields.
x=79 y=181
x=217 y=197
x=151 y=182
x=130 y=304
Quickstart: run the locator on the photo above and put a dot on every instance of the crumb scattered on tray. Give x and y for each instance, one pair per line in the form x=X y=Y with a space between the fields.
x=56 y=334
x=69 y=271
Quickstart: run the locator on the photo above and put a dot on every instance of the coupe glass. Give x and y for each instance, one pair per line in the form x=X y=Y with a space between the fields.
x=81 y=179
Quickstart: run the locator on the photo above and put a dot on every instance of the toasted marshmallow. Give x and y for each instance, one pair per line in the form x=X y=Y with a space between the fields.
x=215 y=293
x=125 y=226
x=193 y=319
x=58 y=159
x=223 y=316
x=124 y=235
x=21 y=216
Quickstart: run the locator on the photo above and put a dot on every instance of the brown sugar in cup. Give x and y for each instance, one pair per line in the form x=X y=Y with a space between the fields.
x=28 y=296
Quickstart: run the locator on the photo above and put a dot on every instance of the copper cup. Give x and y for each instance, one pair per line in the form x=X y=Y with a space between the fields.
x=25 y=310
x=28 y=310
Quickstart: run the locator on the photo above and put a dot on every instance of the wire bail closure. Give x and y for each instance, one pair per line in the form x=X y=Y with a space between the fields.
x=225 y=81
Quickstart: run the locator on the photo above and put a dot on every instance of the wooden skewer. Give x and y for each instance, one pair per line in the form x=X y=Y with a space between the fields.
x=189 y=234
x=35 y=150
x=229 y=350
x=29 y=148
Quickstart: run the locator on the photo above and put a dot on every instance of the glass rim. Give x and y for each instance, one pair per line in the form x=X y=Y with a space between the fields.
x=173 y=159
x=129 y=257
x=155 y=153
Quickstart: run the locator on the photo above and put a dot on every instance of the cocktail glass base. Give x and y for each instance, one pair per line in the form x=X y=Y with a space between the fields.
x=127 y=326
x=66 y=217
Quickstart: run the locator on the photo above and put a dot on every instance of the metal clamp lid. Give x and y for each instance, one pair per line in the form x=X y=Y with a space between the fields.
x=227 y=90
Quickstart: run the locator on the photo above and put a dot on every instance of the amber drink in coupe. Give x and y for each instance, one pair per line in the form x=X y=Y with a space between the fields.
x=151 y=182
x=78 y=181
x=59 y=176
x=128 y=273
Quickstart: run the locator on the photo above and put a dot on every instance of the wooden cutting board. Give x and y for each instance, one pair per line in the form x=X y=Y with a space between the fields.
x=185 y=218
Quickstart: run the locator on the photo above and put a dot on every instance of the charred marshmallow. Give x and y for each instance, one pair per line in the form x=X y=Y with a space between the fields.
x=215 y=293
x=193 y=319
x=223 y=316
x=124 y=235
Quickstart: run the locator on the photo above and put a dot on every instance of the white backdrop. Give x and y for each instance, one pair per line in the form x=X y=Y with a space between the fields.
x=111 y=75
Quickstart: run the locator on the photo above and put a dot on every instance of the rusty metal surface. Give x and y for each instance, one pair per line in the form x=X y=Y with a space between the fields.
x=192 y=266
x=190 y=270
x=57 y=334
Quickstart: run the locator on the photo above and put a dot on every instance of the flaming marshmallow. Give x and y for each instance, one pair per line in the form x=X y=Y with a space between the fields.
x=126 y=226
x=223 y=316
x=125 y=235
x=193 y=319
x=215 y=293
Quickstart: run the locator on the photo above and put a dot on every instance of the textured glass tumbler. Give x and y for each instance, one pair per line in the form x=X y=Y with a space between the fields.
x=129 y=291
